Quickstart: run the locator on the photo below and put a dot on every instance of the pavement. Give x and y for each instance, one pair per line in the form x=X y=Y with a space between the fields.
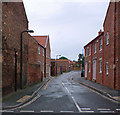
x=20 y=97
x=106 y=91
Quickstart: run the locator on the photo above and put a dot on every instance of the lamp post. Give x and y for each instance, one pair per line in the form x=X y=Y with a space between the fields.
x=57 y=56
x=21 y=53
x=56 y=63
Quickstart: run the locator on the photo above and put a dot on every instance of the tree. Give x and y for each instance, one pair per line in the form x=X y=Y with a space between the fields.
x=81 y=60
x=64 y=58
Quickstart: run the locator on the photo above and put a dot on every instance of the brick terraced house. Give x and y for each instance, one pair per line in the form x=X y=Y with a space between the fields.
x=45 y=42
x=102 y=54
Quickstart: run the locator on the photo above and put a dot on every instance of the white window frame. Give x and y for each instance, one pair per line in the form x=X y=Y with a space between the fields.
x=100 y=44
x=86 y=52
x=89 y=67
x=107 y=68
x=107 y=38
x=89 y=50
x=38 y=49
x=95 y=47
x=100 y=67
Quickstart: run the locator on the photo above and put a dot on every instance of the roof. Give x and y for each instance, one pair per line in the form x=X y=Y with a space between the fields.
x=42 y=40
x=94 y=39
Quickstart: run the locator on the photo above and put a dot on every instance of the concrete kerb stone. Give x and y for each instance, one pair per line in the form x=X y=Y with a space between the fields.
x=97 y=90
x=30 y=98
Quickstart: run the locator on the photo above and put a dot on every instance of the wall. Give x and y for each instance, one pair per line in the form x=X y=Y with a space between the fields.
x=14 y=21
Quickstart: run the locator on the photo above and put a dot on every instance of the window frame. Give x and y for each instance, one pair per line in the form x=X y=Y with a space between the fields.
x=100 y=66
x=95 y=47
x=39 y=49
x=107 y=69
x=101 y=44
x=107 y=38
x=89 y=67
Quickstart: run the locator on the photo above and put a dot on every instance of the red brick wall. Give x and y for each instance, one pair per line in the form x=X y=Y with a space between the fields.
x=117 y=45
x=35 y=62
x=14 y=21
x=48 y=59
x=109 y=53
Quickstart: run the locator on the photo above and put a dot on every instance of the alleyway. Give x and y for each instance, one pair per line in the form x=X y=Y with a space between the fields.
x=62 y=95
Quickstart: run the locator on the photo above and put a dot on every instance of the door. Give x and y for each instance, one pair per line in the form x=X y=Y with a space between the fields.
x=94 y=69
x=86 y=69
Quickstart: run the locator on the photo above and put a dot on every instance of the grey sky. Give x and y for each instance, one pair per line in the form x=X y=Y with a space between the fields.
x=70 y=25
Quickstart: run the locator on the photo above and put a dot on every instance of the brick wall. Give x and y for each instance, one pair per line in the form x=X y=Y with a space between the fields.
x=48 y=59
x=14 y=21
x=35 y=61
x=110 y=52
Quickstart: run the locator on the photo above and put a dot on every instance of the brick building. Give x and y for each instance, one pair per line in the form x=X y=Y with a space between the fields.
x=45 y=42
x=14 y=21
x=102 y=54
x=35 y=61
x=59 y=66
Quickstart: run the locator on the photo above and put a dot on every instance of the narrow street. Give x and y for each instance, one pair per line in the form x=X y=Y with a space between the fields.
x=62 y=95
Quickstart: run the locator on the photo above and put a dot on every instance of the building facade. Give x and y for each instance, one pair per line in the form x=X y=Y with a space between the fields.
x=102 y=54
x=45 y=42
x=35 y=61
x=14 y=21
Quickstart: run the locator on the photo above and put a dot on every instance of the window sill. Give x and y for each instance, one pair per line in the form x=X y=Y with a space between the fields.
x=107 y=44
x=100 y=72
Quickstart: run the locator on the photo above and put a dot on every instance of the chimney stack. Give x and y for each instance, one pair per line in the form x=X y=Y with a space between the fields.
x=100 y=32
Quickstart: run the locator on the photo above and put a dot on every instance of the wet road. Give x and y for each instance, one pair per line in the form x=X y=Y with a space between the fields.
x=62 y=95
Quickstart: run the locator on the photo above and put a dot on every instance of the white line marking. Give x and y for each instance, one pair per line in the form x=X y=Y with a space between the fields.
x=107 y=112
x=7 y=111
x=66 y=111
x=87 y=111
x=26 y=111
x=67 y=90
x=102 y=109
x=118 y=109
x=46 y=111
x=76 y=104
x=85 y=108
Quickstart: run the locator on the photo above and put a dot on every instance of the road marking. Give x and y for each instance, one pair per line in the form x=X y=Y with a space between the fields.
x=66 y=111
x=86 y=108
x=46 y=111
x=23 y=98
x=95 y=92
x=29 y=102
x=76 y=104
x=7 y=111
x=26 y=111
x=67 y=90
x=118 y=109
x=87 y=111
x=102 y=109
x=107 y=112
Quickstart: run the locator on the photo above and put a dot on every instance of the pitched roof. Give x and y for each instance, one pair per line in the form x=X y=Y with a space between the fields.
x=42 y=40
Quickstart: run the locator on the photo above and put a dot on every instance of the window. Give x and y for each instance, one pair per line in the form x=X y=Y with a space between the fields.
x=89 y=50
x=100 y=44
x=106 y=68
x=107 y=38
x=43 y=52
x=100 y=66
x=89 y=67
x=95 y=47
x=86 y=52
x=38 y=49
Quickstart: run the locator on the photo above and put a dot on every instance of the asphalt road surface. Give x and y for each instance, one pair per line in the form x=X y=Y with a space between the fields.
x=62 y=95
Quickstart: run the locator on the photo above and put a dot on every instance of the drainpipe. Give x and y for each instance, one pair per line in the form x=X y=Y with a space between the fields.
x=115 y=48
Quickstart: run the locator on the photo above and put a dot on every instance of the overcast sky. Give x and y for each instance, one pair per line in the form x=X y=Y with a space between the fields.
x=71 y=24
